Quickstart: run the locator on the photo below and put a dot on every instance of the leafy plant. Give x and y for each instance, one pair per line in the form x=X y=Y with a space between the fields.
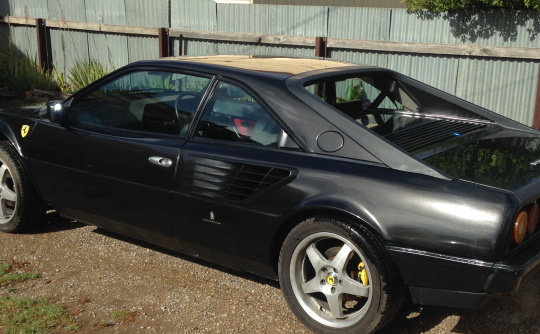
x=446 y=5
x=7 y=57
x=26 y=74
x=160 y=83
x=355 y=91
x=86 y=72
x=63 y=84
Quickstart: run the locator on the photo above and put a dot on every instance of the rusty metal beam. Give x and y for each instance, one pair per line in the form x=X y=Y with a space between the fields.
x=44 y=44
x=163 y=42
x=181 y=45
x=536 y=117
x=320 y=47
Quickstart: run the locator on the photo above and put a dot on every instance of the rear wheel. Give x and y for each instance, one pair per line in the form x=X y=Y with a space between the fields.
x=20 y=206
x=337 y=277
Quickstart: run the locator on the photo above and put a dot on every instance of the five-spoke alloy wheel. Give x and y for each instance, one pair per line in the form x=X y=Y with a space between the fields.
x=332 y=271
x=20 y=206
x=8 y=194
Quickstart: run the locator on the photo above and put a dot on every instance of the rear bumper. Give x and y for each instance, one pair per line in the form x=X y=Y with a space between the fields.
x=442 y=280
x=506 y=275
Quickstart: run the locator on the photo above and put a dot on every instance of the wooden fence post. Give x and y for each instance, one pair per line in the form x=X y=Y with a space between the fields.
x=536 y=117
x=163 y=42
x=320 y=47
x=44 y=44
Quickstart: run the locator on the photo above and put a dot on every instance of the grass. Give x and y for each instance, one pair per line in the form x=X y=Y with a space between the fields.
x=29 y=315
x=36 y=316
x=125 y=316
x=105 y=323
x=6 y=277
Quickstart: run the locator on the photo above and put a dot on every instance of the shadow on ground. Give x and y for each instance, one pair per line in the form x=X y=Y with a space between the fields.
x=508 y=314
x=55 y=223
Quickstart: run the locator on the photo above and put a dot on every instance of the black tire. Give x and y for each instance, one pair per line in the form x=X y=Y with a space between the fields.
x=385 y=285
x=28 y=209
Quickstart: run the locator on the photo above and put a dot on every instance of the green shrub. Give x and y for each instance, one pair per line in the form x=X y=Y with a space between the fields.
x=446 y=5
x=25 y=74
x=86 y=72
x=7 y=57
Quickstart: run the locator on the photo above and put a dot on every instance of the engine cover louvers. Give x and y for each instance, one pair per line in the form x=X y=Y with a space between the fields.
x=230 y=181
x=418 y=137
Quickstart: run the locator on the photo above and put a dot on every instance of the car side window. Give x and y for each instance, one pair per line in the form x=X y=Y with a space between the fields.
x=235 y=116
x=150 y=101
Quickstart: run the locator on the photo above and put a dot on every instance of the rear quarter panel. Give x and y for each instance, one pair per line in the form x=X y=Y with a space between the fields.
x=415 y=210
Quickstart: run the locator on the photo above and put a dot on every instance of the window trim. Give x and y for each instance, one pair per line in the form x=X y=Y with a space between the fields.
x=103 y=129
x=258 y=99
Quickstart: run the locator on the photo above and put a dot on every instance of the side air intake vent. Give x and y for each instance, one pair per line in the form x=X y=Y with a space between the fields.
x=230 y=181
x=418 y=137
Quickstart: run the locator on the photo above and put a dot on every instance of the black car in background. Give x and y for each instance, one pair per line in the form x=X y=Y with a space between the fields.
x=353 y=186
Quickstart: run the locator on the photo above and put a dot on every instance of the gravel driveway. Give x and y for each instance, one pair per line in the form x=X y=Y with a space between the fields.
x=94 y=272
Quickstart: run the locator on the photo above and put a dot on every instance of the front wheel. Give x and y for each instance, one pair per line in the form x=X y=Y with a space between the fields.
x=337 y=277
x=20 y=206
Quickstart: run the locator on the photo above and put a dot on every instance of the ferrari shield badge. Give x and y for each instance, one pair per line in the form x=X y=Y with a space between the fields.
x=24 y=131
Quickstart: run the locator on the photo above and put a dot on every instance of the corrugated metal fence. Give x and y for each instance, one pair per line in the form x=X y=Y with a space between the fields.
x=507 y=86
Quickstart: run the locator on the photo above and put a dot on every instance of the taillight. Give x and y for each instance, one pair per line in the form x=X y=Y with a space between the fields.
x=533 y=213
x=520 y=227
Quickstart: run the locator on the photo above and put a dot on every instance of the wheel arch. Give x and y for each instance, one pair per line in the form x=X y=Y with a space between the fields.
x=299 y=216
x=6 y=134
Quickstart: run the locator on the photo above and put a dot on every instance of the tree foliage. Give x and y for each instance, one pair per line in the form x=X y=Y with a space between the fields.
x=447 y=5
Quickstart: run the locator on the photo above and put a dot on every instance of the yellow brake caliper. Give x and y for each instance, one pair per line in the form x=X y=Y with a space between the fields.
x=363 y=274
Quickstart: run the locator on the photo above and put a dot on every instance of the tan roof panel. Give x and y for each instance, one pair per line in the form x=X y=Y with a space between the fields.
x=290 y=66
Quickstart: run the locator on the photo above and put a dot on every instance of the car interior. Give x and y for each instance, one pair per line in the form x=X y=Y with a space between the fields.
x=416 y=121
x=233 y=115
x=162 y=107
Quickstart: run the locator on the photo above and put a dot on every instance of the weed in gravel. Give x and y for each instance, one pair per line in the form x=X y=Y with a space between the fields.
x=6 y=277
x=106 y=323
x=125 y=316
x=28 y=315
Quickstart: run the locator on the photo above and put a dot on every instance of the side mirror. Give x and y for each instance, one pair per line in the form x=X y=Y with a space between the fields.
x=56 y=111
x=286 y=142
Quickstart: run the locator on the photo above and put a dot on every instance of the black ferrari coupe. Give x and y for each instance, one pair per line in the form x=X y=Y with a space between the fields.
x=354 y=186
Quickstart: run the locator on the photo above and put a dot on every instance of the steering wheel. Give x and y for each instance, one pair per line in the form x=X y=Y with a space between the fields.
x=190 y=107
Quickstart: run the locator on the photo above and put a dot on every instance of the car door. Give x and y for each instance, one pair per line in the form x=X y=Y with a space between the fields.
x=112 y=162
x=230 y=164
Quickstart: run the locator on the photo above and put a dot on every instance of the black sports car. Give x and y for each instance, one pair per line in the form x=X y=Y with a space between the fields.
x=352 y=185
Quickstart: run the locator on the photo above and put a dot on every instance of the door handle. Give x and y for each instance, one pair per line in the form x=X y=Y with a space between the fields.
x=159 y=161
